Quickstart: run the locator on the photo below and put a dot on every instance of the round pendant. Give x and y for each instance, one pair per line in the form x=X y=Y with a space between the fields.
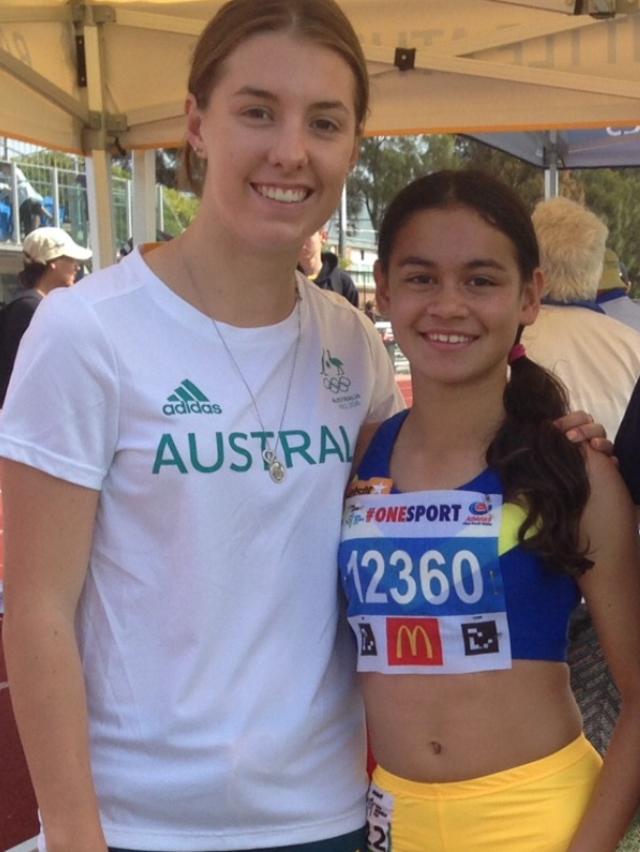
x=276 y=470
x=274 y=466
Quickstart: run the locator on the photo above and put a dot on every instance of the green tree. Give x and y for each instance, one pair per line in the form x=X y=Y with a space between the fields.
x=613 y=195
x=50 y=158
x=179 y=210
x=388 y=163
x=522 y=177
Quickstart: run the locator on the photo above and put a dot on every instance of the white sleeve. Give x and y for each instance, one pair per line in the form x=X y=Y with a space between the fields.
x=61 y=410
x=386 y=398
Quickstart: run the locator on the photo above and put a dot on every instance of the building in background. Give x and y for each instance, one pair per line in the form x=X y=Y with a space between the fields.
x=359 y=255
x=60 y=180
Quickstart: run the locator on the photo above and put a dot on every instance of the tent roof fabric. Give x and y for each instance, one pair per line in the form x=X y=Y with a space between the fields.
x=612 y=146
x=480 y=65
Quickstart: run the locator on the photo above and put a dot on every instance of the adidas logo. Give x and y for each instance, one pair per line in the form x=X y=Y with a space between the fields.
x=187 y=398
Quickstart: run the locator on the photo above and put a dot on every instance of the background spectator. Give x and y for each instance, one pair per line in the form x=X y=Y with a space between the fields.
x=32 y=212
x=323 y=267
x=51 y=259
x=597 y=357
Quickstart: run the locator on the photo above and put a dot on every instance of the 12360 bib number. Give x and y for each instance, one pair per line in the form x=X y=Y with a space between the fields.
x=435 y=578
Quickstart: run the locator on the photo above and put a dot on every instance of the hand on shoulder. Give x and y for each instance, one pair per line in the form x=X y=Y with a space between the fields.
x=579 y=427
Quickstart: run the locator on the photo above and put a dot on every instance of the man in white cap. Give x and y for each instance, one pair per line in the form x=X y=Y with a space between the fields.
x=51 y=259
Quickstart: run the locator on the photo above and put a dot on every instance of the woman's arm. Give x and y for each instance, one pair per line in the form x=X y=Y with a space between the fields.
x=612 y=592
x=48 y=532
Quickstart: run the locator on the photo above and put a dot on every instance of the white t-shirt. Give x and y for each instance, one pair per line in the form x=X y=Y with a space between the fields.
x=595 y=356
x=223 y=709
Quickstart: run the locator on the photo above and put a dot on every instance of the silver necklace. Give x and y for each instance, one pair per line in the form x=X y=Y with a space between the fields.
x=275 y=467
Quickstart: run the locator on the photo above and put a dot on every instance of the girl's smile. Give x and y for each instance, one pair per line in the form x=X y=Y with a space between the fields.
x=454 y=294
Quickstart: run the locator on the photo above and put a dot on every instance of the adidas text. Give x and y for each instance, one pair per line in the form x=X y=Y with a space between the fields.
x=191 y=407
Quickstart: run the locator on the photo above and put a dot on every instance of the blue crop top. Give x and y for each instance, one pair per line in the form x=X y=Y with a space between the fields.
x=436 y=582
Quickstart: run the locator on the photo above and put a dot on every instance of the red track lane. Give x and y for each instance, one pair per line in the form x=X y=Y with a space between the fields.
x=1 y=538
x=18 y=820
x=404 y=383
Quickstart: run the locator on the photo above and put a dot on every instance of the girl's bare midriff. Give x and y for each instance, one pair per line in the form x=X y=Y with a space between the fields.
x=454 y=727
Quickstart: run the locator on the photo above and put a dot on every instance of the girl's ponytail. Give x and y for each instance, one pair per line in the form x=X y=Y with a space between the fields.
x=539 y=467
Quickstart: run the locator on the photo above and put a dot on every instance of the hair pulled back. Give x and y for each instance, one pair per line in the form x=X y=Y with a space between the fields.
x=491 y=199
x=539 y=468
x=31 y=274
x=319 y=21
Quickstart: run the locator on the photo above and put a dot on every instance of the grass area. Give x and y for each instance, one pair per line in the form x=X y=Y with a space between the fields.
x=631 y=843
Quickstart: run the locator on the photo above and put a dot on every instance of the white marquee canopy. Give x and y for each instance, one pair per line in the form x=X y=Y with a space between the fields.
x=78 y=75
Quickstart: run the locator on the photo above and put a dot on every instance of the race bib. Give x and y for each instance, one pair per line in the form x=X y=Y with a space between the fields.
x=422 y=576
x=379 y=819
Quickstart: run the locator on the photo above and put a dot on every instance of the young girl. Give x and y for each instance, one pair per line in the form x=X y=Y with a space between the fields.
x=472 y=529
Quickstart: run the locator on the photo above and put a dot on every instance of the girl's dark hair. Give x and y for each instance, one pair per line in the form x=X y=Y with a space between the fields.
x=320 y=22
x=31 y=274
x=540 y=469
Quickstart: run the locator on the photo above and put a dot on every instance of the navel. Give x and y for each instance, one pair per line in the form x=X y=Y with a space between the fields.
x=436 y=747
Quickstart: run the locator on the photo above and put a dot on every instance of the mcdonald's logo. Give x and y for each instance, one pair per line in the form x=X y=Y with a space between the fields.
x=414 y=642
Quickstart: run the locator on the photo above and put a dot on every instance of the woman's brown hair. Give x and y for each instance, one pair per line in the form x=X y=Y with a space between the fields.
x=321 y=22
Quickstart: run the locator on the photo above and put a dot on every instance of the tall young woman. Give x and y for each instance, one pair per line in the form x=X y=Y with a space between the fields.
x=180 y=429
x=471 y=531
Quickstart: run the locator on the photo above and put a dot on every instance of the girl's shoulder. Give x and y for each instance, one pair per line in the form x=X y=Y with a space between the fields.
x=609 y=518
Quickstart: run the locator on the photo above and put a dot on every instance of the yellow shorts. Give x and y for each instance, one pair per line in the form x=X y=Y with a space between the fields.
x=535 y=807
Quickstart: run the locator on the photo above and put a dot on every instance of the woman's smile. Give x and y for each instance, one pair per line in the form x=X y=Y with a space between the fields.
x=277 y=152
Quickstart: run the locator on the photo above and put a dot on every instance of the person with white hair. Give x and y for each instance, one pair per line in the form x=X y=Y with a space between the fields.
x=597 y=357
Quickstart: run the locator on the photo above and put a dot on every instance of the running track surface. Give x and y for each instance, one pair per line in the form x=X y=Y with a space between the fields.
x=404 y=383
x=18 y=820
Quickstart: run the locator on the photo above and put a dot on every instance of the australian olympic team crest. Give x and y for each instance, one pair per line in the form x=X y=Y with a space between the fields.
x=336 y=380
x=333 y=375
